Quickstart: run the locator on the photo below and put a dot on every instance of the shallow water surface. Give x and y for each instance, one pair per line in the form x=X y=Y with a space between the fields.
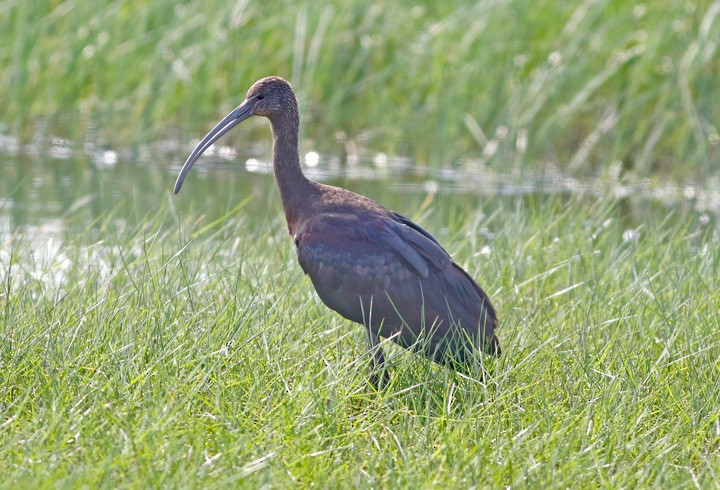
x=49 y=197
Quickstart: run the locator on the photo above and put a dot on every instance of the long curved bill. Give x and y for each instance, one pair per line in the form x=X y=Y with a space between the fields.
x=238 y=115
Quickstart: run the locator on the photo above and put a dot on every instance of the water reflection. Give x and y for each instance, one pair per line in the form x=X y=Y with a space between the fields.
x=59 y=193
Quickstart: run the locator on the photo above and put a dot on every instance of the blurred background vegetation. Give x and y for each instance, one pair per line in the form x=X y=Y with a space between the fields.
x=594 y=88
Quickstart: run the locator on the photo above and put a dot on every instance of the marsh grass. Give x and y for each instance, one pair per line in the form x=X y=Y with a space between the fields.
x=509 y=84
x=183 y=347
x=190 y=351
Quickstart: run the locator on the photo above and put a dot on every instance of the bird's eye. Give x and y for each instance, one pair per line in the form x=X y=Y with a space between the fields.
x=260 y=96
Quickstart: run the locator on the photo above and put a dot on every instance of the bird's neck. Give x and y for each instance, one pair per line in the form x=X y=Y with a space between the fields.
x=296 y=190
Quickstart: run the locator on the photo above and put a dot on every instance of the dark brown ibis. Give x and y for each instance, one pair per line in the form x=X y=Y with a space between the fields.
x=373 y=266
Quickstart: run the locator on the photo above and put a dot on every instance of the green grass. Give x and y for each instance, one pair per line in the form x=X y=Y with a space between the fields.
x=189 y=352
x=160 y=342
x=509 y=84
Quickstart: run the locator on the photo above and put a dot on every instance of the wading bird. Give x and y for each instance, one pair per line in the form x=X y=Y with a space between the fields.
x=371 y=265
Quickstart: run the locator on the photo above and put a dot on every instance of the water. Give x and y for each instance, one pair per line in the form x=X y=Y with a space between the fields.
x=51 y=193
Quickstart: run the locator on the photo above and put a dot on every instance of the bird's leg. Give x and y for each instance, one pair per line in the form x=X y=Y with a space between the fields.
x=379 y=375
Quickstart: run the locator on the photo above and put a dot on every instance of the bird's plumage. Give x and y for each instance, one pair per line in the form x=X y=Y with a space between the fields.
x=387 y=273
x=371 y=265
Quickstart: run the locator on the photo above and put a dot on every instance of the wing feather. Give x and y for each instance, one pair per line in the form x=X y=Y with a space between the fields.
x=387 y=261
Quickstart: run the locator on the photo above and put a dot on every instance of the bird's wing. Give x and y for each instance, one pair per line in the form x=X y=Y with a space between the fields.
x=357 y=260
x=392 y=268
x=422 y=242
x=463 y=284
x=349 y=239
